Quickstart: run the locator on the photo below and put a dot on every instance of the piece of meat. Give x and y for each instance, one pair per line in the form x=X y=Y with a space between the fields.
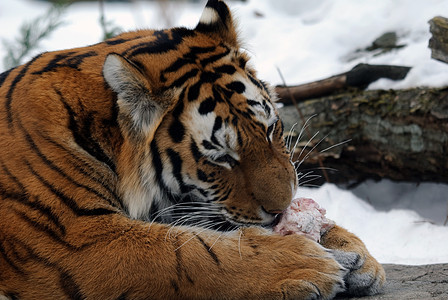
x=304 y=216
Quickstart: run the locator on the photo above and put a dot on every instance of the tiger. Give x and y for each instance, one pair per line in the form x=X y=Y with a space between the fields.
x=152 y=165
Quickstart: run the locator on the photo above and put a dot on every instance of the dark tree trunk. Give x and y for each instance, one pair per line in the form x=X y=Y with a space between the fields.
x=400 y=135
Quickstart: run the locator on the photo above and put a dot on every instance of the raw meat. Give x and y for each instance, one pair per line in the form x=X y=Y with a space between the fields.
x=305 y=217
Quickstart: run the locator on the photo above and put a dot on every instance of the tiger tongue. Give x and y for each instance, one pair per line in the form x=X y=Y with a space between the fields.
x=304 y=217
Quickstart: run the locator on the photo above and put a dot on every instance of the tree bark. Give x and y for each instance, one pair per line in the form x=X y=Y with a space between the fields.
x=401 y=135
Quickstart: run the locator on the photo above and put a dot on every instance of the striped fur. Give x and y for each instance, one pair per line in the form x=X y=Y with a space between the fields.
x=144 y=167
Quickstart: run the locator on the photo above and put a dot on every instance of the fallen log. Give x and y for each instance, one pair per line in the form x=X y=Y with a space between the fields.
x=397 y=134
x=360 y=76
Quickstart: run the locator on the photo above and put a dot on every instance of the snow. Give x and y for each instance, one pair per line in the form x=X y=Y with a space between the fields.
x=307 y=41
x=398 y=236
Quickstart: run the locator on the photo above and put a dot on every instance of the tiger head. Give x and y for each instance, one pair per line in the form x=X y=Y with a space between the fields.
x=203 y=142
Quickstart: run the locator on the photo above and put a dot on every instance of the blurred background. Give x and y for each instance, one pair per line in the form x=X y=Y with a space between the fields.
x=302 y=41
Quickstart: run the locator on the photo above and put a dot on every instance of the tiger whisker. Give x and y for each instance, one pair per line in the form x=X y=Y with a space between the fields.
x=314 y=177
x=304 y=127
x=298 y=163
x=239 y=244
x=336 y=145
x=215 y=241
x=304 y=147
x=181 y=221
x=180 y=228
x=194 y=235
x=289 y=137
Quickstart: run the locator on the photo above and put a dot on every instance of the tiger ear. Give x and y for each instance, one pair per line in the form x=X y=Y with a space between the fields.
x=216 y=21
x=140 y=112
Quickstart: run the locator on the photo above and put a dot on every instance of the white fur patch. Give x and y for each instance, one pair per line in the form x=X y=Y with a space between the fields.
x=202 y=126
x=112 y=71
x=209 y=16
x=265 y=111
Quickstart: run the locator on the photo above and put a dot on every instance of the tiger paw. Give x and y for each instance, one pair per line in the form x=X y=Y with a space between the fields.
x=296 y=267
x=365 y=275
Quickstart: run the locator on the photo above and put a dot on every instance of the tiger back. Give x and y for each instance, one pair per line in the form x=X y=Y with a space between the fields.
x=153 y=165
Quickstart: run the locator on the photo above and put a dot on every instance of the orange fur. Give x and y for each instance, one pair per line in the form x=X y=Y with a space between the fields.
x=94 y=139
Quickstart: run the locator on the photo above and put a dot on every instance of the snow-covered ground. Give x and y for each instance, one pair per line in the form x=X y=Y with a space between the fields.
x=394 y=236
x=307 y=41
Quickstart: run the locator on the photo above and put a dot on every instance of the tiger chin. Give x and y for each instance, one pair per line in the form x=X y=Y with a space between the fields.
x=152 y=166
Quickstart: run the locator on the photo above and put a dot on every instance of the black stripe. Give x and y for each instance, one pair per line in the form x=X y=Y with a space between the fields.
x=68 y=284
x=83 y=136
x=123 y=296
x=176 y=131
x=202 y=176
x=12 y=296
x=236 y=86
x=12 y=87
x=216 y=126
x=240 y=138
x=179 y=108
x=55 y=168
x=113 y=42
x=176 y=163
x=195 y=150
x=175 y=286
x=264 y=105
x=209 y=146
x=188 y=58
x=255 y=82
x=163 y=42
x=207 y=106
x=80 y=164
x=226 y=93
x=45 y=229
x=193 y=91
x=13 y=178
x=54 y=63
x=175 y=66
x=209 y=250
x=157 y=164
x=4 y=75
x=65 y=60
x=75 y=61
x=23 y=198
x=217 y=94
x=68 y=200
x=224 y=194
x=153 y=212
x=209 y=77
x=7 y=259
x=194 y=51
x=226 y=69
x=253 y=102
x=181 y=80
x=180 y=269
x=204 y=62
